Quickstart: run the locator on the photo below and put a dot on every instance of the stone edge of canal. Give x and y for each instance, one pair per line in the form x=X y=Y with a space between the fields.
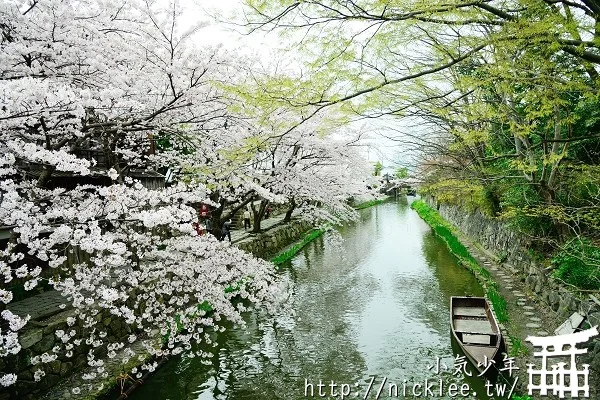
x=476 y=251
x=110 y=384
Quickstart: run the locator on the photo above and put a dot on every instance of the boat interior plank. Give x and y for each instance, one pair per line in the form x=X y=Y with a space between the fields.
x=478 y=352
x=473 y=326
x=477 y=339
x=470 y=311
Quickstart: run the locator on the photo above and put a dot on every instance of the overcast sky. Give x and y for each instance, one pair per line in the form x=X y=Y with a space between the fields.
x=220 y=15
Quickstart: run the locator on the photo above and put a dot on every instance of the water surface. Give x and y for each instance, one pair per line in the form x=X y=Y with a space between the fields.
x=376 y=308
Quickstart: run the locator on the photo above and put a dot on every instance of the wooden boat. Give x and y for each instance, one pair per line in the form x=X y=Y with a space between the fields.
x=475 y=329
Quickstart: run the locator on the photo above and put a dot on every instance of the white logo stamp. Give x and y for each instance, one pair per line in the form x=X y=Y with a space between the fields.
x=562 y=380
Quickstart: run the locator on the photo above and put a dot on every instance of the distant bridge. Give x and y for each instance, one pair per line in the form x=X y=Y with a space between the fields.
x=393 y=186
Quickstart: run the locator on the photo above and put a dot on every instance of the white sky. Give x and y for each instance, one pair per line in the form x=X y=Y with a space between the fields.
x=219 y=32
x=221 y=29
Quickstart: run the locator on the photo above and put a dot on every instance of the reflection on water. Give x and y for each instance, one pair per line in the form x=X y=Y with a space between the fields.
x=378 y=307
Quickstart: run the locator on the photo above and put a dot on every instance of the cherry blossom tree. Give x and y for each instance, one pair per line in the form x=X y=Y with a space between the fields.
x=314 y=168
x=94 y=90
x=96 y=95
x=317 y=170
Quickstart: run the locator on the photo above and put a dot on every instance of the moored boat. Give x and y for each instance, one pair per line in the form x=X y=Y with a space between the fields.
x=475 y=329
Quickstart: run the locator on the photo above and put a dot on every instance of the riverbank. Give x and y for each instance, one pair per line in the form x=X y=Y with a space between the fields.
x=289 y=253
x=362 y=307
x=526 y=313
x=276 y=236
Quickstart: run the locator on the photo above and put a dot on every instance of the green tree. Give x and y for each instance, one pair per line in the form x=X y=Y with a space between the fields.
x=401 y=173
x=378 y=167
x=508 y=92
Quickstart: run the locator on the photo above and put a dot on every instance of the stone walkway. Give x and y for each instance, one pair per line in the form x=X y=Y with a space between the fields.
x=527 y=316
x=239 y=234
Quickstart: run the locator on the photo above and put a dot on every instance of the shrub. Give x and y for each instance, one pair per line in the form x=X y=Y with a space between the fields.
x=578 y=264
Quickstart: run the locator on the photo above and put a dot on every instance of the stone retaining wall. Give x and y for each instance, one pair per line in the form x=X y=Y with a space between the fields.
x=510 y=248
x=39 y=339
x=40 y=336
x=275 y=239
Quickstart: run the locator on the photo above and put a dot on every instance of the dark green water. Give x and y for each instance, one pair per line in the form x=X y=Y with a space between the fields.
x=376 y=308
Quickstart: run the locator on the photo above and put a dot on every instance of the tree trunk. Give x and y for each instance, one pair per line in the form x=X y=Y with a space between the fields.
x=258 y=214
x=216 y=214
x=288 y=213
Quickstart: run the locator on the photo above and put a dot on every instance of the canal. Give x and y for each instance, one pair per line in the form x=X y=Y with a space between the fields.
x=374 y=308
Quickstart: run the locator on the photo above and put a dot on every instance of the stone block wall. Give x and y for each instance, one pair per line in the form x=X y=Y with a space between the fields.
x=40 y=338
x=275 y=239
x=511 y=248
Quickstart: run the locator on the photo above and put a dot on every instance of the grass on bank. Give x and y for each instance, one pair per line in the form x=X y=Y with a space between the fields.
x=518 y=348
x=292 y=251
x=498 y=303
x=445 y=231
x=368 y=204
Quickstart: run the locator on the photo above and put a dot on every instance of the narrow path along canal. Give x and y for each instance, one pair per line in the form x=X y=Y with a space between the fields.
x=375 y=308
